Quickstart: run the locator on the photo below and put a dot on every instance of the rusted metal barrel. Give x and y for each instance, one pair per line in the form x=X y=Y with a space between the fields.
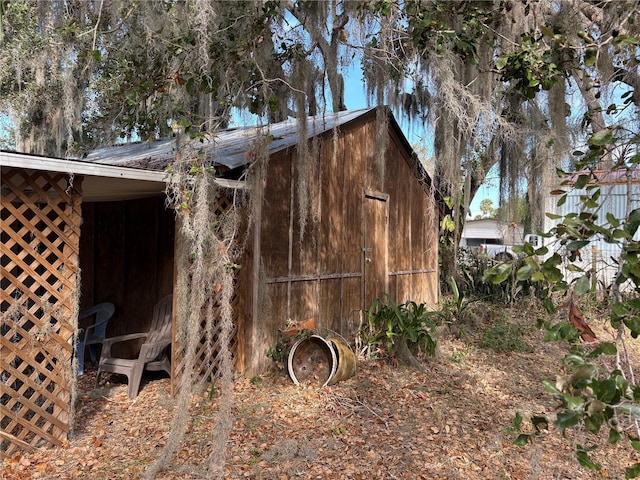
x=345 y=361
x=314 y=360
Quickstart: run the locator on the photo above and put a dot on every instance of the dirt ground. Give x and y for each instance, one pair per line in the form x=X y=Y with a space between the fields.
x=387 y=422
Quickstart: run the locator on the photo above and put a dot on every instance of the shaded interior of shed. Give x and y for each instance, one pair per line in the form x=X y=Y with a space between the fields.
x=126 y=258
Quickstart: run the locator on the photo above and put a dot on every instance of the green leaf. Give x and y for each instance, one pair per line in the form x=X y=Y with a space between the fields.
x=524 y=273
x=572 y=402
x=562 y=200
x=607 y=348
x=624 y=40
x=456 y=292
x=549 y=387
x=633 y=324
x=537 y=277
x=527 y=248
x=633 y=222
x=574 y=268
x=448 y=201
x=621 y=234
x=567 y=419
x=502 y=273
x=522 y=440
x=548 y=305
x=542 y=251
x=618 y=312
x=604 y=231
x=605 y=390
x=590 y=57
x=632 y=259
x=632 y=472
x=614 y=436
x=502 y=61
x=447 y=224
x=582 y=285
x=552 y=274
x=603 y=137
x=591 y=203
x=577 y=245
x=585 y=461
x=575 y=360
x=593 y=422
x=582 y=181
x=516 y=422
x=546 y=31
x=622 y=384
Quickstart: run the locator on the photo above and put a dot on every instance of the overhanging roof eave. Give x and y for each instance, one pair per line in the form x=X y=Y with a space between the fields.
x=77 y=167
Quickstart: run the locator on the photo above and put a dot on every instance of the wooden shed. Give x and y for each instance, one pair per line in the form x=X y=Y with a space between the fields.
x=373 y=229
x=78 y=233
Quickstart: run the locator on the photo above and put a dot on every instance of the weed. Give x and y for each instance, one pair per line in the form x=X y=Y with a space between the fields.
x=339 y=429
x=280 y=353
x=504 y=337
x=459 y=355
x=456 y=312
x=212 y=388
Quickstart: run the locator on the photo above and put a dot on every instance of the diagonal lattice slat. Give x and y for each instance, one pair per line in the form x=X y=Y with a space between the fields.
x=40 y=225
x=208 y=349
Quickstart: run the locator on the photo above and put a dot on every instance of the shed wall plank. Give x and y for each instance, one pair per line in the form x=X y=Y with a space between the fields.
x=276 y=217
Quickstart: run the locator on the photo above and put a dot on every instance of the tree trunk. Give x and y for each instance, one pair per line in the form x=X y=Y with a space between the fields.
x=406 y=357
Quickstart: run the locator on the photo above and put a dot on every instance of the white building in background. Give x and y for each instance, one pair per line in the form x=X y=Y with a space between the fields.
x=619 y=196
x=491 y=231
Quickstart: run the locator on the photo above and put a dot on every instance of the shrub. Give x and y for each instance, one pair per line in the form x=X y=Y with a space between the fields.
x=504 y=337
x=405 y=329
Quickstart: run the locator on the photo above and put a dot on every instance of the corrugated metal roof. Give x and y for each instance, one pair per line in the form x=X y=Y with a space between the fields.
x=228 y=147
x=607 y=177
x=136 y=170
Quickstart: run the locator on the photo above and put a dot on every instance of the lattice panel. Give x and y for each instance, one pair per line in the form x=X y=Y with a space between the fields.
x=40 y=225
x=207 y=359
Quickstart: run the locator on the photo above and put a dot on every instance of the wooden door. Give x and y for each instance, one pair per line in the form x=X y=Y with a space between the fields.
x=375 y=247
